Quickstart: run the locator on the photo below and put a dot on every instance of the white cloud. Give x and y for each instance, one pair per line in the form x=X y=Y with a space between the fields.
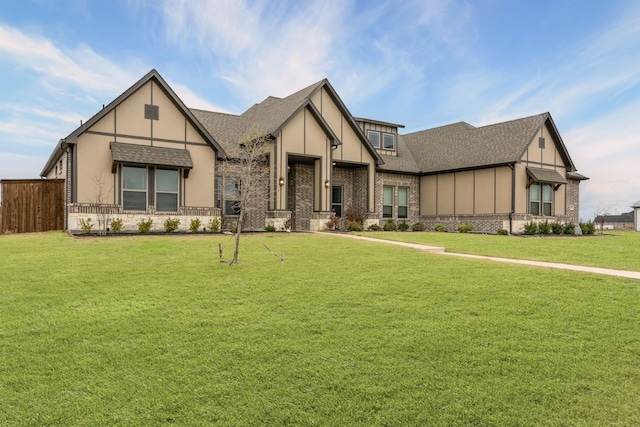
x=79 y=67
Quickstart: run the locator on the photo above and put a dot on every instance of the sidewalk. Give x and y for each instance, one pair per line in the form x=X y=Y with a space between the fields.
x=441 y=251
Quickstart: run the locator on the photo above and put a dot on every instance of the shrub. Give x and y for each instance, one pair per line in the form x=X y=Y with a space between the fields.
x=403 y=226
x=544 y=227
x=557 y=228
x=465 y=228
x=332 y=224
x=171 y=224
x=355 y=213
x=270 y=228
x=530 y=228
x=503 y=232
x=569 y=228
x=418 y=226
x=145 y=226
x=588 y=227
x=116 y=225
x=354 y=226
x=390 y=225
x=374 y=227
x=440 y=228
x=86 y=224
x=214 y=224
x=195 y=225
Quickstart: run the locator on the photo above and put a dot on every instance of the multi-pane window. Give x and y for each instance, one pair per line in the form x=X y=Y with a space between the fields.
x=336 y=200
x=374 y=138
x=403 y=202
x=387 y=201
x=541 y=199
x=134 y=188
x=231 y=196
x=388 y=141
x=167 y=190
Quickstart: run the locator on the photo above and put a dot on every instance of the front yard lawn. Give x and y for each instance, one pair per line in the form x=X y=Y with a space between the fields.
x=153 y=330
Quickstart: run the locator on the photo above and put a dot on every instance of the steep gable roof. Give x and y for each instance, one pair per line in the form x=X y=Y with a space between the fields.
x=462 y=146
x=152 y=75
x=272 y=114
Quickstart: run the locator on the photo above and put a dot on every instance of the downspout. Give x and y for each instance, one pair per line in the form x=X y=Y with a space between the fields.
x=64 y=147
x=512 y=166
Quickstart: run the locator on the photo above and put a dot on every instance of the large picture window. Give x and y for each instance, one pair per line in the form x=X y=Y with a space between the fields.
x=167 y=190
x=387 y=201
x=134 y=188
x=541 y=199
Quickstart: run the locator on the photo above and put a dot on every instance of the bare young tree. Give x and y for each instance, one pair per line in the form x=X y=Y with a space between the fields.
x=245 y=172
x=602 y=212
x=101 y=210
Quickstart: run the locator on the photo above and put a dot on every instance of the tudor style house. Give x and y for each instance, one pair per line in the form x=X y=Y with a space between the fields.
x=146 y=155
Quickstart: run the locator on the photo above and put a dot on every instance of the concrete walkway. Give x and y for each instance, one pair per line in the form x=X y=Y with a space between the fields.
x=441 y=251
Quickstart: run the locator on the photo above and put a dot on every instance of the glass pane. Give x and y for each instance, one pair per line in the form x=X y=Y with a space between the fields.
x=388 y=141
x=547 y=192
x=403 y=198
x=231 y=207
x=166 y=202
x=166 y=180
x=535 y=208
x=134 y=178
x=402 y=211
x=134 y=201
x=337 y=209
x=336 y=195
x=374 y=138
x=387 y=211
x=387 y=195
x=547 y=208
x=231 y=187
x=534 y=192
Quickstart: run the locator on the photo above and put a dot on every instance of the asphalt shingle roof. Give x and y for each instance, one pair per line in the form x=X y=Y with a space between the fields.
x=462 y=146
x=146 y=155
x=546 y=175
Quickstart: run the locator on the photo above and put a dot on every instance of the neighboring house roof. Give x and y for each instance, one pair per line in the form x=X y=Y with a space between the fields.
x=162 y=84
x=461 y=146
x=636 y=204
x=625 y=217
x=146 y=155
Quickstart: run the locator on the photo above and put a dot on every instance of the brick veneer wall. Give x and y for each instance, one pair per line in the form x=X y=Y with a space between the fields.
x=573 y=200
x=397 y=180
x=300 y=195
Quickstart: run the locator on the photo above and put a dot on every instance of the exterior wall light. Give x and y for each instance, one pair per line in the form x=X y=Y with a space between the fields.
x=326 y=184
x=281 y=181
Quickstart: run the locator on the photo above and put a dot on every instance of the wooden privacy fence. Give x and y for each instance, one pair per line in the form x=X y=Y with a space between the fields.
x=32 y=205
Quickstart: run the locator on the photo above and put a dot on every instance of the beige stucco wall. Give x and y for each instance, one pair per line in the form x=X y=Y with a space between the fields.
x=464 y=192
x=428 y=192
x=127 y=124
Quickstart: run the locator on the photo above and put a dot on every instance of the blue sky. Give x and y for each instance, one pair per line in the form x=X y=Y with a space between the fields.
x=421 y=63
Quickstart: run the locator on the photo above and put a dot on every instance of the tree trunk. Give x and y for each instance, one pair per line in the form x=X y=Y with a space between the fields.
x=237 y=238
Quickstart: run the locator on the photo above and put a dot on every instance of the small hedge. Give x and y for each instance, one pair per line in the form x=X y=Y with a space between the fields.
x=465 y=228
x=144 y=226
x=390 y=225
x=440 y=228
x=418 y=226
x=403 y=226
x=374 y=227
x=354 y=226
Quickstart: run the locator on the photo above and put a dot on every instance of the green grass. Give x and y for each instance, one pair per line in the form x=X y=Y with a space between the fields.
x=153 y=330
x=619 y=250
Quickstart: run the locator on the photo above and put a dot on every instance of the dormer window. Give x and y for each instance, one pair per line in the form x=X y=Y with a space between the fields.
x=374 y=138
x=388 y=141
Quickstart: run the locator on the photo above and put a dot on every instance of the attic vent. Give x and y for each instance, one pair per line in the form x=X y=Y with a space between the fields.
x=541 y=142
x=151 y=112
